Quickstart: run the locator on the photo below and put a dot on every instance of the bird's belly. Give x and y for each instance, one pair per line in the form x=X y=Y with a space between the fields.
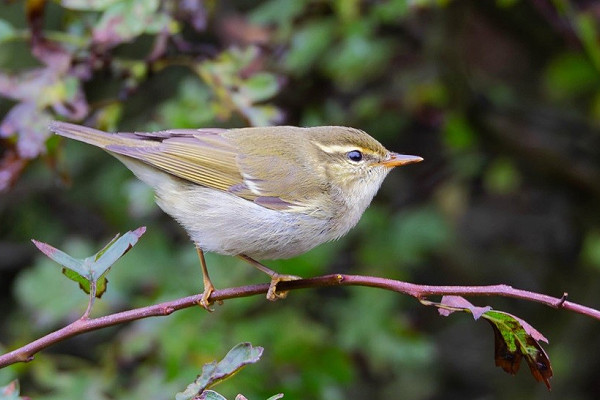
x=223 y=223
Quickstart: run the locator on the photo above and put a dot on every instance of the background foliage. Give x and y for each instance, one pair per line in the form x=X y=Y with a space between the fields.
x=501 y=98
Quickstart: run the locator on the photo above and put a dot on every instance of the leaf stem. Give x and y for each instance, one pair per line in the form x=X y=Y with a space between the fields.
x=91 y=301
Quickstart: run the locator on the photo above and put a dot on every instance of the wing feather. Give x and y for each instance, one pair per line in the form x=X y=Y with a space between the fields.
x=254 y=164
x=198 y=156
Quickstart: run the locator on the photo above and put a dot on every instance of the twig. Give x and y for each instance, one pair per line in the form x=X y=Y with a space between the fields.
x=27 y=352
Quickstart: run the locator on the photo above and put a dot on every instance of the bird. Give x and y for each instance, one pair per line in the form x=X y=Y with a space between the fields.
x=257 y=193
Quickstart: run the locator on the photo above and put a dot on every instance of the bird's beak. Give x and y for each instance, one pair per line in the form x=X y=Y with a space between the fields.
x=397 y=160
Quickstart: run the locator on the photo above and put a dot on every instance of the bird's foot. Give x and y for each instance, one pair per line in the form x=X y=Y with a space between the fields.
x=204 y=301
x=273 y=294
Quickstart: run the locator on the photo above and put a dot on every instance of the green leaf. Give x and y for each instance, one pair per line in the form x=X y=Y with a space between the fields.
x=391 y=10
x=114 y=250
x=210 y=395
x=261 y=86
x=585 y=26
x=212 y=373
x=188 y=108
x=125 y=20
x=590 y=251
x=61 y=257
x=458 y=133
x=262 y=115
x=276 y=11
x=7 y=32
x=502 y=177
x=84 y=283
x=234 y=91
x=515 y=339
x=415 y=234
x=88 y=5
x=309 y=44
x=357 y=58
x=96 y=267
x=276 y=397
x=570 y=75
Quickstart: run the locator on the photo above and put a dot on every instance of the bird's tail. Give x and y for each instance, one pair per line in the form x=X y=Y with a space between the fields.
x=91 y=136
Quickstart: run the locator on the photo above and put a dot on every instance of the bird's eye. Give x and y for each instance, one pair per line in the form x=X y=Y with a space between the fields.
x=355 y=155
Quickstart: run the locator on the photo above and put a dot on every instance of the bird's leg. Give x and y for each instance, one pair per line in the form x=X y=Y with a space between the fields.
x=272 y=294
x=208 y=286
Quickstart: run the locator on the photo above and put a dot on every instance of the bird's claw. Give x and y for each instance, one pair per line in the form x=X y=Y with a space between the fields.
x=204 y=301
x=273 y=294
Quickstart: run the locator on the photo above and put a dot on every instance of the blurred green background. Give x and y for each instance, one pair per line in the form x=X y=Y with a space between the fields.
x=501 y=98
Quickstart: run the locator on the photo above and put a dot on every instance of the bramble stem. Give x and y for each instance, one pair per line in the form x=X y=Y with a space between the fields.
x=27 y=352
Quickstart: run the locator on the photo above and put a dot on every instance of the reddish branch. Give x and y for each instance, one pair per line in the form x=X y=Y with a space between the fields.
x=85 y=324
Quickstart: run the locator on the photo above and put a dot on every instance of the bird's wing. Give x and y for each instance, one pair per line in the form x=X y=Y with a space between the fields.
x=211 y=159
x=241 y=161
x=277 y=171
x=200 y=156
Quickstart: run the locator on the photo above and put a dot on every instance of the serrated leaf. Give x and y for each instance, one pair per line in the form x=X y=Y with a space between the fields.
x=96 y=267
x=61 y=257
x=212 y=373
x=114 y=250
x=103 y=250
x=514 y=339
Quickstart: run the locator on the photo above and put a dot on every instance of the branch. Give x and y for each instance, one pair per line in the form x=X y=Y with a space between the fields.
x=85 y=324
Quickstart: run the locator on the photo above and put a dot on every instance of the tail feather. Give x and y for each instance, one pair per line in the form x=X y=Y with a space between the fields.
x=88 y=135
x=161 y=181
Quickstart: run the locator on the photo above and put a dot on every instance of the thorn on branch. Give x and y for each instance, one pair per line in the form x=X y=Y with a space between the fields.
x=562 y=300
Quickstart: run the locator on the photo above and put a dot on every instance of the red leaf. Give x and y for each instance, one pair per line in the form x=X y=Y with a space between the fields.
x=463 y=304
